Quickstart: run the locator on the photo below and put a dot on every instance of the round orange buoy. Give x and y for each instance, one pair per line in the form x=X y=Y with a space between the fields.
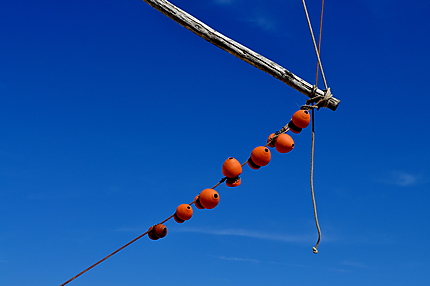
x=270 y=142
x=183 y=212
x=233 y=182
x=261 y=156
x=284 y=143
x=160 y=230
x=177 y=219
x=231 y=168
x=252 y=165
x=197 y=202
x=151 y=233
x=301 y=118
x=209 y=198
x=294 y=128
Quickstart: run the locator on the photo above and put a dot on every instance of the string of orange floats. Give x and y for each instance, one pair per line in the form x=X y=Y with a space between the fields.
x=231 y=169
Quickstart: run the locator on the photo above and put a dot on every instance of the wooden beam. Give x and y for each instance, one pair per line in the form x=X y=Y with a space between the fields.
x=201 y=29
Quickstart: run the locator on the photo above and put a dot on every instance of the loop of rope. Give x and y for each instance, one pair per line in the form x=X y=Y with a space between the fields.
x=322 y=101
x=317 y=101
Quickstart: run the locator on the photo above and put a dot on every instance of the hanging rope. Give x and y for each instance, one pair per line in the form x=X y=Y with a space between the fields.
x=314 y=203
x=317 y=103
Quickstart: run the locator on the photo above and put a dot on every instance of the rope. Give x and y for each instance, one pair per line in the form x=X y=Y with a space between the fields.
x=282 y=130
x=314 y=249
x=315 y=44
x=101 y=260
x=127 y=244
x=319 y=41
x=321 y=100
x=318 y=102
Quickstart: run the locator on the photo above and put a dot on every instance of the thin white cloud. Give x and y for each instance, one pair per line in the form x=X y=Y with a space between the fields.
x=238 y=259
x=260 y=19
x=263 y=22
x=402 y=179
x=353 y=264
x=338 y=269
x=249 y=233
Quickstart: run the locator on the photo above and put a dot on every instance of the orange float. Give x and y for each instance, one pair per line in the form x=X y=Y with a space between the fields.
x=160 y=230
x=270 y=142
x=151 y=234
x=157 y=231
x=197 y=203
x=301 y=118
x=233 y=182
x=231 y=168
x=177 y=219
x=261 y=156
x=284 y=143
x=294 y=128
x=252 y=165
x=209 y=198
x=183 y=212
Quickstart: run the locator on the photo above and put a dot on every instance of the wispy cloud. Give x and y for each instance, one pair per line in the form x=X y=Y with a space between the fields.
x=335 y=269
x=346 y=264
x=404 y=179
x=400 y=178
x=353 y=264
x=249 y=233
x=238 y=259
x=258 y=18
x=264 y=22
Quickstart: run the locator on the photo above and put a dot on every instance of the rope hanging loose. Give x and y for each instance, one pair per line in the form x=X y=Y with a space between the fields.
x=316 y=102
x=311 y=178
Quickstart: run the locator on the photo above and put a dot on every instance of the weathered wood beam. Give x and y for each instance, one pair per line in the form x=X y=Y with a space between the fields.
x=201 y=29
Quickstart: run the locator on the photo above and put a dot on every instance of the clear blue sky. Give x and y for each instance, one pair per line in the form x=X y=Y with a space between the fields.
x=112 y=115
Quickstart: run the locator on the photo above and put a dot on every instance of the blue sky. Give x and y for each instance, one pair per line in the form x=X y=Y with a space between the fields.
x=113 y=115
